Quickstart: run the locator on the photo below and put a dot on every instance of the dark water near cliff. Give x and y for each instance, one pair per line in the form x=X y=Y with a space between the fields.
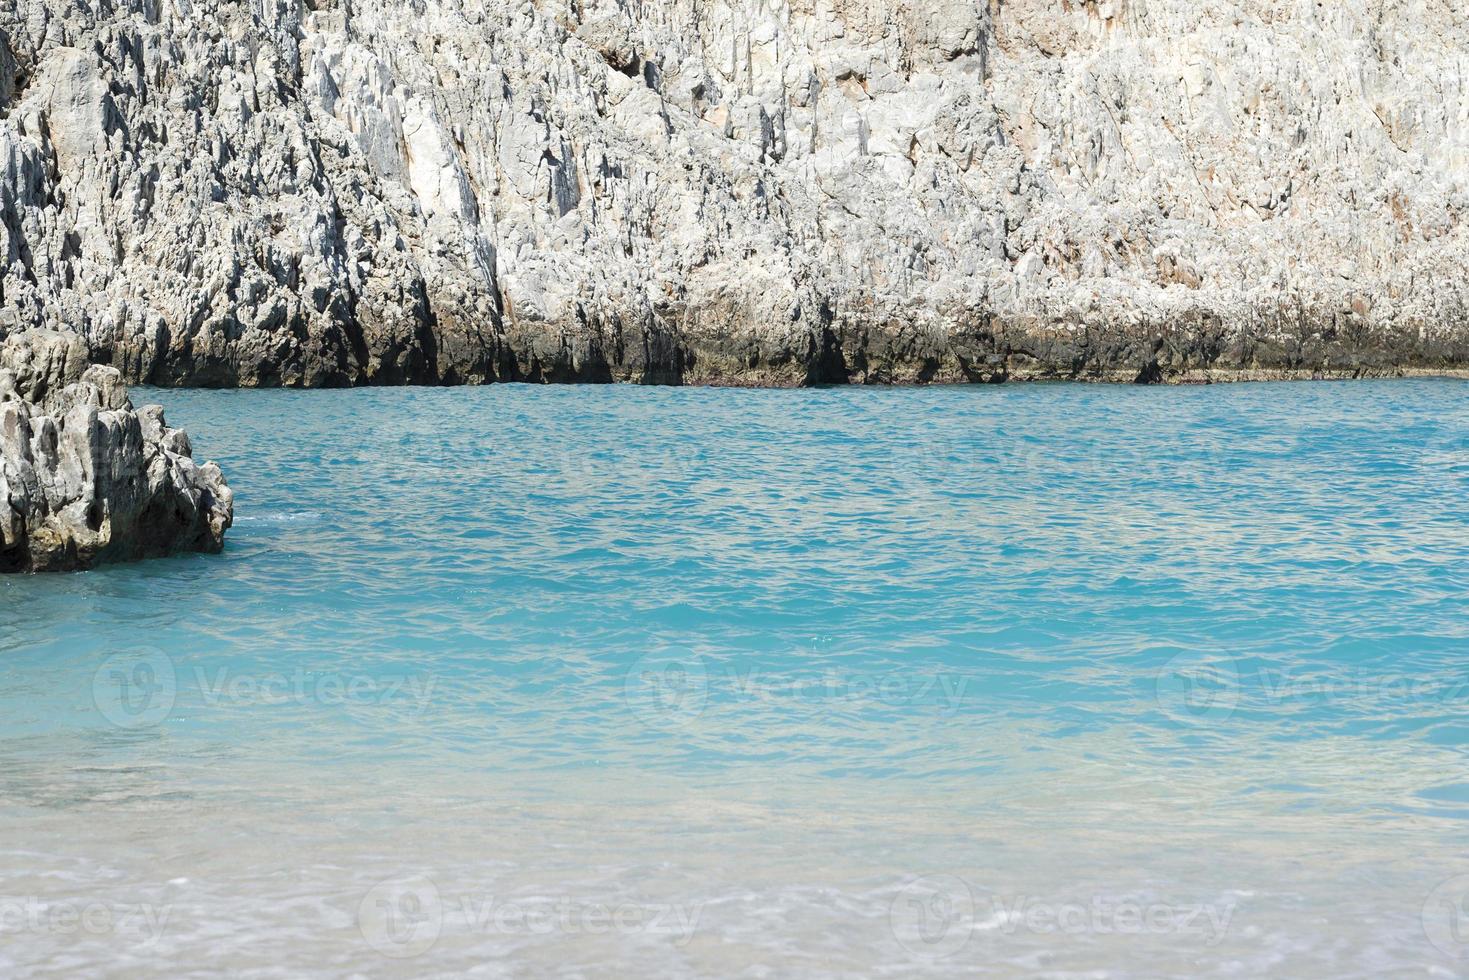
x=551 y=681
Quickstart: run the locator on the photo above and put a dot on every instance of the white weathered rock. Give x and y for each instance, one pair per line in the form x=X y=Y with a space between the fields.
x=353 y=191
x=84 y=479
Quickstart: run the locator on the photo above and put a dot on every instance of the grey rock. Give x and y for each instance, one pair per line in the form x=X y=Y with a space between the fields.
x=85 y=479
x=347 y=192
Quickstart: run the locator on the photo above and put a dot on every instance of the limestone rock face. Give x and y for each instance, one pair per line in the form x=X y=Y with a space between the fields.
x=84 y=478
x=332 y=192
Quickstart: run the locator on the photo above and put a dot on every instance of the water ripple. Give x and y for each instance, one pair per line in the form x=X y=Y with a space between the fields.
x=772 y=654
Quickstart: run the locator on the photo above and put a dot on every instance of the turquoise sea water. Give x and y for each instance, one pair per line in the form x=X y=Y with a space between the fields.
x=1015 y=681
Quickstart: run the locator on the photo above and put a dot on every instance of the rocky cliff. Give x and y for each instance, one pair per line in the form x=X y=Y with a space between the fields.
x=86 y=479
x=330 y=192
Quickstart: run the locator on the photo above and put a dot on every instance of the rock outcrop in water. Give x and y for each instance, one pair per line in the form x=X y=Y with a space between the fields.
x=331 y=192
x=84 y=478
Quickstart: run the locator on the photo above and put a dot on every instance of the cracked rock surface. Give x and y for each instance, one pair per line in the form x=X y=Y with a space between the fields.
x=334 y=192
x=86 y=479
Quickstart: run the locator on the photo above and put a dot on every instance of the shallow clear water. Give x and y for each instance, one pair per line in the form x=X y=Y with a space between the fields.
x=520 y=681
